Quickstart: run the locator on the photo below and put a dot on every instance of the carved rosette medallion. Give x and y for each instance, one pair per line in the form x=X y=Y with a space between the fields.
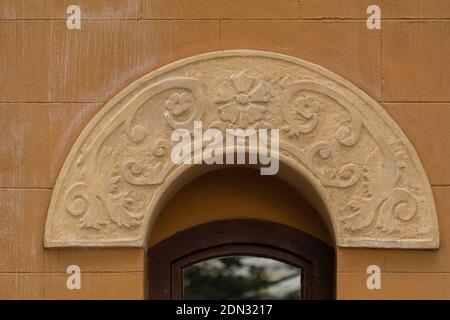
x=367 y=174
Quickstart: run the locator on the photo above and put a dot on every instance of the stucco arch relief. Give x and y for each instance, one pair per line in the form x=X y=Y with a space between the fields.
x=362 y=167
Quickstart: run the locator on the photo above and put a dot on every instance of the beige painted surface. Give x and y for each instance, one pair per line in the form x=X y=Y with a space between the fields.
x=35 y=52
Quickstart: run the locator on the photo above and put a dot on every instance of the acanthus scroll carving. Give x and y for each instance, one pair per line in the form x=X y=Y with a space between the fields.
x=329 y=131
x=153 y=167
x=383 y=196
x=100 y=200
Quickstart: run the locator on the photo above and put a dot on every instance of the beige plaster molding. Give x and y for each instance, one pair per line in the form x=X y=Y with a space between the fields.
x=367 y=175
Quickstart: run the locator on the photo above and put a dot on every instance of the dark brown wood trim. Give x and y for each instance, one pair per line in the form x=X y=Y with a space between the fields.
x=233 y=237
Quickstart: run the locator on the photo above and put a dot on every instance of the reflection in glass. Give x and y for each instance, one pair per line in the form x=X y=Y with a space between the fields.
x=241 y=277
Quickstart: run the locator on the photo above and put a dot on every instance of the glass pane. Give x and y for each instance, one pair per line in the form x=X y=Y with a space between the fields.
x=241 y=277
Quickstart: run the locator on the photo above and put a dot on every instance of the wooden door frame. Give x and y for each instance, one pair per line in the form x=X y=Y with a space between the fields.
x=238 y=237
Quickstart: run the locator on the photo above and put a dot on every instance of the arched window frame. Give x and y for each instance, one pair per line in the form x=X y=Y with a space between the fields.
x=168 y=258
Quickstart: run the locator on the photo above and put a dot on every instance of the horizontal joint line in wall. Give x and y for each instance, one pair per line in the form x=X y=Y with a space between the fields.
x=399 y=101
x=53 y=102
x=25 y=188
x=382 y=19
x=228 y=19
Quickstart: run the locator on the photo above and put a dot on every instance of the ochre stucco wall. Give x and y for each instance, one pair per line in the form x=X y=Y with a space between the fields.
x=55 y=79
x=237 y=193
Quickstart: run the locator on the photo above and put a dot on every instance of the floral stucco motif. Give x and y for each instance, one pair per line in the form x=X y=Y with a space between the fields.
x=242 y=101
x=179 y=103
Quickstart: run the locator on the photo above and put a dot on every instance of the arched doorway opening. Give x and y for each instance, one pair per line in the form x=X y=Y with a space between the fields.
x=233 y=234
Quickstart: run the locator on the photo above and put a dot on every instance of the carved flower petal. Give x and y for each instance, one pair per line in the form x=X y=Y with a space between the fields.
x=225 y=93
x=254 y=113
x=242 y=82
x=260 y=93
x=229 y=112
x=178 y=109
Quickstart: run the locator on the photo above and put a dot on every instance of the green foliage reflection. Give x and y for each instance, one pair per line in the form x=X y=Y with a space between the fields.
x=241 y=278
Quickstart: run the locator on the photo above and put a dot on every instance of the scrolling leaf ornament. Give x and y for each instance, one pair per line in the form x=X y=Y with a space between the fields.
x=99 y=200
x=382 y=170
x=362 y=167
